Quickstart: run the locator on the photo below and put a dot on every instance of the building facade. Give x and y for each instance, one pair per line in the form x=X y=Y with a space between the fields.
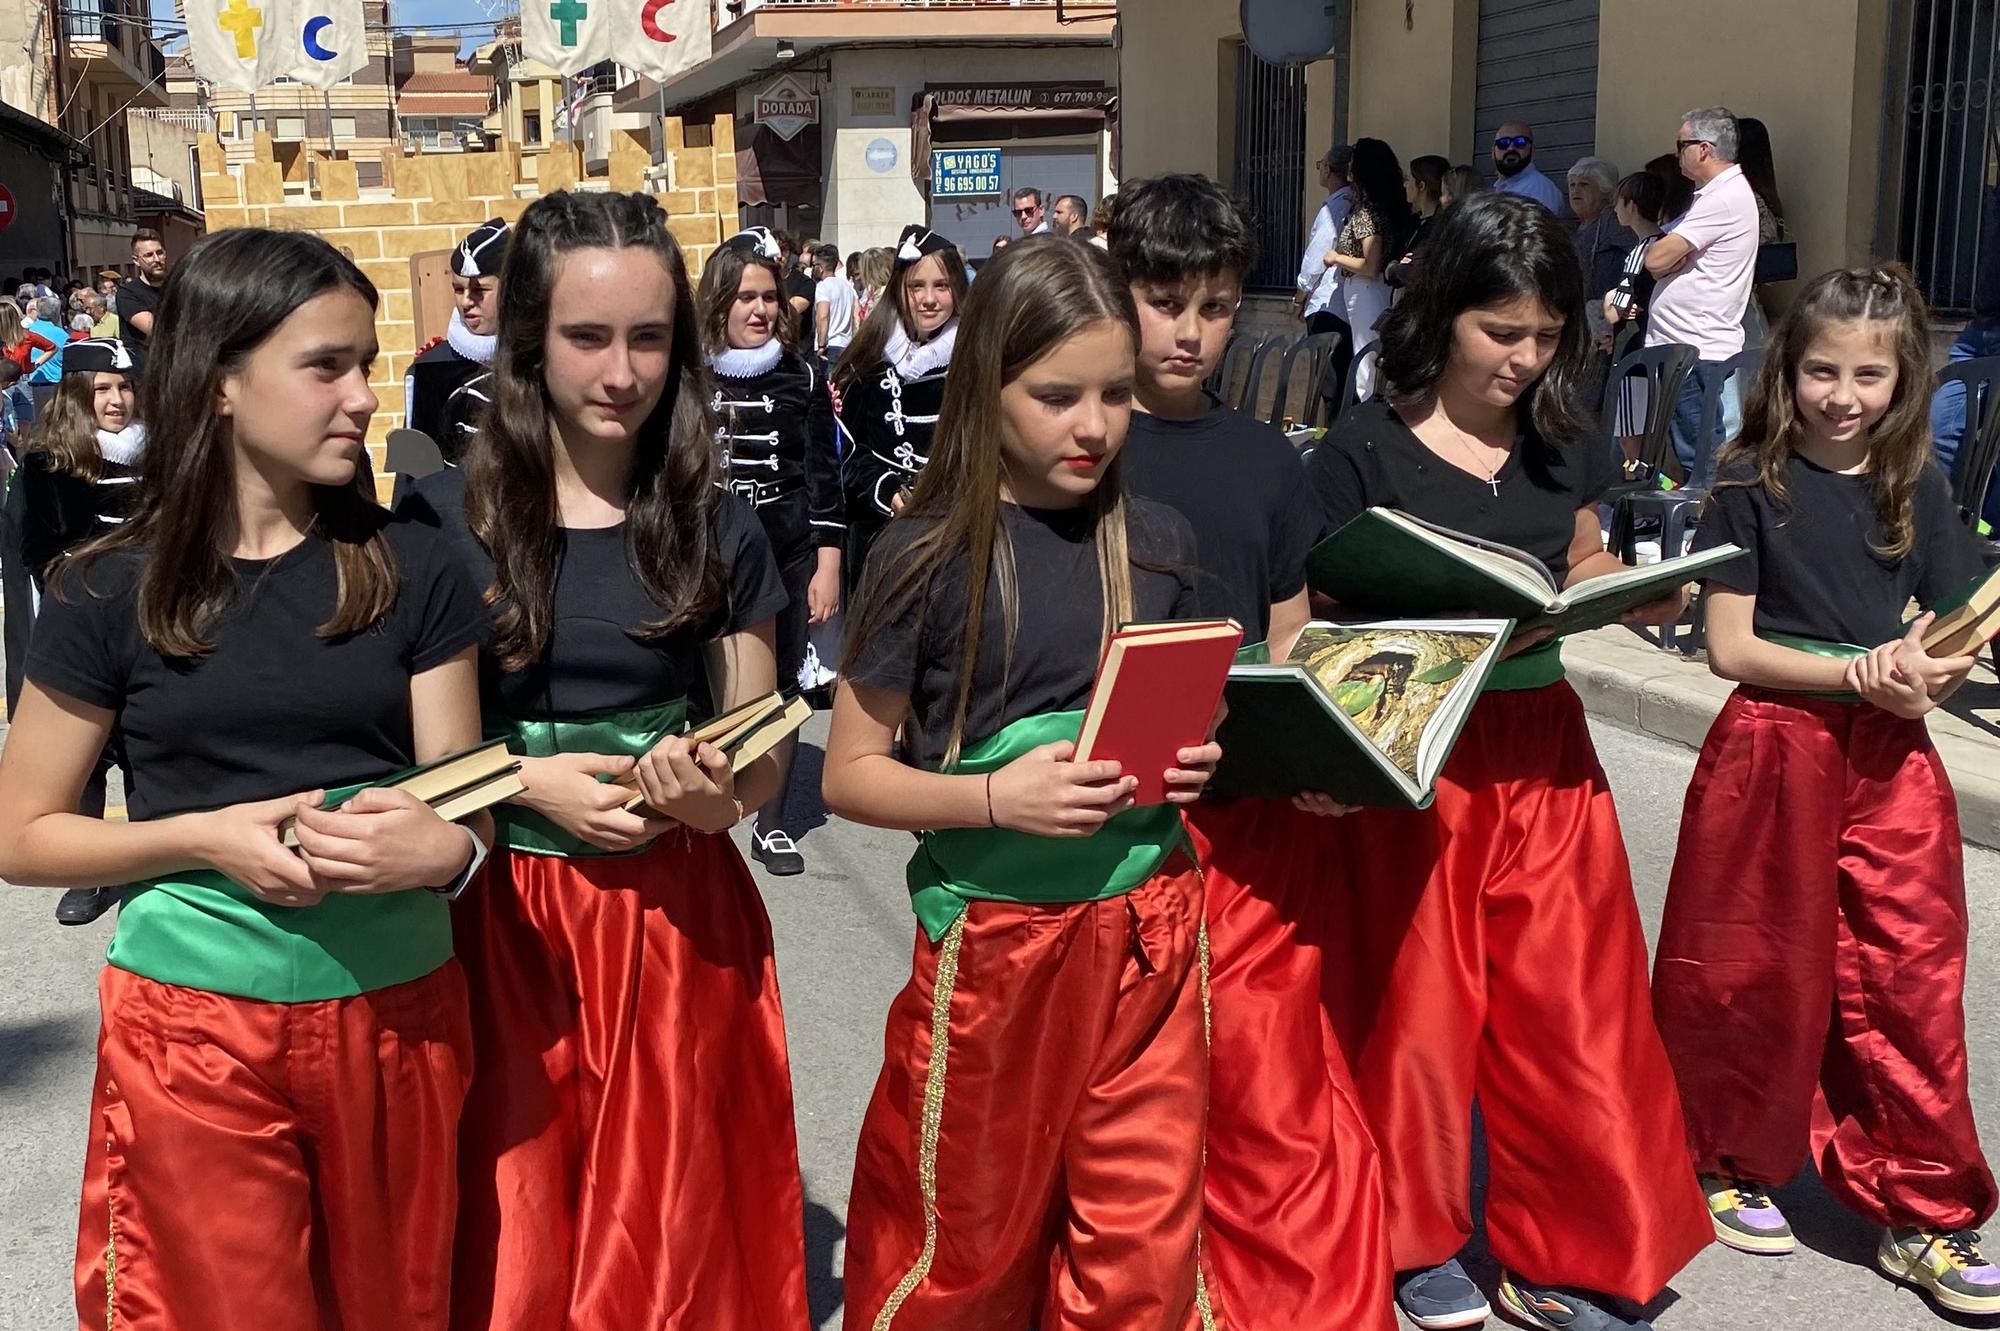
x=441 y=104
x=528 y=105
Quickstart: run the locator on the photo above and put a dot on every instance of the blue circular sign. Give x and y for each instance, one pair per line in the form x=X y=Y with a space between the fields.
x=881 y=156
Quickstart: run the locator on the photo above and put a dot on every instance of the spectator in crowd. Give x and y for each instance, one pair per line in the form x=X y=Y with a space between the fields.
x=10 y=421
x=103 y=323
x=1638 y=203
x=1319 y=299
x=876 y=265
x=1378 y=226
x=1704 y=266
x=1072 y=215
x=1601 y=241
x=800 y=288
x=139 y=299
x=25 y=296
x=1030 y=212
x=1100 y=221
x=107 y=282
x=1979 y=338
x=79 y=325
x=854 y=270
x=1426 y=195
x=27 y=349
x=1460 y=184
x=833 y=305
x=42 y=380
x=1753 y=147
x=1680 y=193
x=1514 y=163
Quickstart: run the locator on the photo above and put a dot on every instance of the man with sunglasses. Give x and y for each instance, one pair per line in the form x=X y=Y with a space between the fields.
x=1029 y=212
x=1514 y=161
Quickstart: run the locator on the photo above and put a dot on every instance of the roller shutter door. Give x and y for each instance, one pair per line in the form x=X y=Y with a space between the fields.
x=1537 y=63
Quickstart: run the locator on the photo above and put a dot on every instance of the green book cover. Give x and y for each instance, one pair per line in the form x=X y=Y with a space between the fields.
x=1365 y=714
x=1386 y=562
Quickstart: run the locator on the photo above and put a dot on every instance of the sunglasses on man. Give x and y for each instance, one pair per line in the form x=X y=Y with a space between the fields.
x=1029 y=211
x=1514 y=141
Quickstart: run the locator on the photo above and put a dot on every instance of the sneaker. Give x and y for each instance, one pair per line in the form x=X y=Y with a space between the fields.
x=1560 y=1308
x=84 y=905
x=1947 y=1263
x=1437 y=1298
x=1745 y=1217
x=775 y=851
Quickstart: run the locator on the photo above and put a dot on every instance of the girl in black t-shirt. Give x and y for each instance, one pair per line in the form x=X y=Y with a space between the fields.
x=778 y=453
x=285 y=1041
x=629 y=1155
x=1494 y=947
x=890 y=383
x=1052 y=1173
x=1811 y=968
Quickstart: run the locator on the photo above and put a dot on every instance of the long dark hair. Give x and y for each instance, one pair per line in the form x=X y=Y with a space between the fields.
x=1028 y=299
x=1680 y=190
x=222 y=301
x=1378 y=187
x=1899 y=445
x=720 y=282
x=510 y=476
x=1488 y=249
x=864 y=353
x=1760 y=169
x=66 y=430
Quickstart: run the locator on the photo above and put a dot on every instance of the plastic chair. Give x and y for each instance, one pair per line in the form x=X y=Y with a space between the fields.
x=1317 y=349
x=1232 y=353
x=1663 y=369
x=1275 y=344
x=1350 y=391
x=1979 y=447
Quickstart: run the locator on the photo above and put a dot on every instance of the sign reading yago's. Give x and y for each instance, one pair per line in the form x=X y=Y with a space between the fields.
x=965 y=173
x=788 y=106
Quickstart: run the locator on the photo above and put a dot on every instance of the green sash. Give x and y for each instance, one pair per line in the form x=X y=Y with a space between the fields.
x=629 y=733
x=954 y=866
x=1833 y=651
x=1536 y=668
x=199 y=930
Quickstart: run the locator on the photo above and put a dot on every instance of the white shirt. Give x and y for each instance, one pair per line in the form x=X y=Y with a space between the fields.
x=1320 y=280
x=1702 y=304
x=1530 y=182
x=837 y=294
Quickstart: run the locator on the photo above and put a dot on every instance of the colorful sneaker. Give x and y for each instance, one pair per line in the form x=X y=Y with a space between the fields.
x=1746 y=1218
x=1559 y=1308
x=1947 y=1263
x=775 y=851
x=1438 y=1298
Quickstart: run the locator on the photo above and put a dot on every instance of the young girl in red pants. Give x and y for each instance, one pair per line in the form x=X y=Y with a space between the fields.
x=1811 y=967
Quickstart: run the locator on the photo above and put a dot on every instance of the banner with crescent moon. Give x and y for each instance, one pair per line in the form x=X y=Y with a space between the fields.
x=241 y=44
x=674 y=36
x=569 y=36
x=329 y=41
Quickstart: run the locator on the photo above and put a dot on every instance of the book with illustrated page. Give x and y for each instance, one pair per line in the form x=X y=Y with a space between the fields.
x=1364 y=714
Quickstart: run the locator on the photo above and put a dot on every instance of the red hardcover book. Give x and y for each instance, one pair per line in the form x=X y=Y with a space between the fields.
x=1156 y=691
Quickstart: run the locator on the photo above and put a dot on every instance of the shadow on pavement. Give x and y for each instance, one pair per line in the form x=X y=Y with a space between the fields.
x=24 y=1044
x=824 y=1232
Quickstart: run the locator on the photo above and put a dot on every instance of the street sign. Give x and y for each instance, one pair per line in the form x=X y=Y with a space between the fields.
x=6 y=207
x=965 y=173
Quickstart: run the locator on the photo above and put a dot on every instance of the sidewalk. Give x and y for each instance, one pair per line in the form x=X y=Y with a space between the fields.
x=1631 y=683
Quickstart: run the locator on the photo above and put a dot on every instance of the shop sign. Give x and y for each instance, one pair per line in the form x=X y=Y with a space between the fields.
x=870 y=101
x=965 y=173
x=787 y=106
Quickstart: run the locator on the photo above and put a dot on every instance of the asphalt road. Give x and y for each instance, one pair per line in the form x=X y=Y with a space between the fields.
x=844 y=935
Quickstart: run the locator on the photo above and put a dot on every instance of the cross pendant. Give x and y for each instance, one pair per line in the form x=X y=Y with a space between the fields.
x=1494 y=481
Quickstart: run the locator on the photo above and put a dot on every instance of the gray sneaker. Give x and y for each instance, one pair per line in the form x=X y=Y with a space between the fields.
x=1946 y=1263
x=1438 y=1298
x=1560 y=1308
x=1745 y=1217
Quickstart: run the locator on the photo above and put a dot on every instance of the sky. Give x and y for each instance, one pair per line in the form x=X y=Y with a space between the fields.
x=401 y=12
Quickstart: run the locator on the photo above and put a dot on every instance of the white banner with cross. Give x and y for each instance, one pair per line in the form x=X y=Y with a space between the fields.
x=250 y=44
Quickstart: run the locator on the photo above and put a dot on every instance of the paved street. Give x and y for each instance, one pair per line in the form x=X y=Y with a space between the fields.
x=844 y=934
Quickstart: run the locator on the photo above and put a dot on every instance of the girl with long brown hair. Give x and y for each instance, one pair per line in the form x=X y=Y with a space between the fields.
x=776 y=438
x=890 y=383
x=285 y=1041
x=1811 y=969
x=629 y=1157
x=1053 y=1174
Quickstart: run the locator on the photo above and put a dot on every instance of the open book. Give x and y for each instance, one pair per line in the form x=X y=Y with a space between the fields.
x=1387 y=562
x=1967 y=619
x=455 y=786
x=1156 y=690
x=744 y=734
x=1361 y=713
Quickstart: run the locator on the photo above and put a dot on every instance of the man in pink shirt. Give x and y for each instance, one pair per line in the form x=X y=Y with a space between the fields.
x=1704 y=263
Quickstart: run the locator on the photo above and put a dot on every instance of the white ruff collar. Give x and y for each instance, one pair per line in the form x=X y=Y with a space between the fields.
x=747 y=362
x=471 y=345
x=125 y=447
x=914 y=360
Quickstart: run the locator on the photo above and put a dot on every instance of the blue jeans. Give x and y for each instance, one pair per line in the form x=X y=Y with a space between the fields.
x=1706 y=375
x=1980 y=338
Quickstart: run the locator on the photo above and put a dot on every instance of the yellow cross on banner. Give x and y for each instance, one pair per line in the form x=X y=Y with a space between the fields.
x=239 y=18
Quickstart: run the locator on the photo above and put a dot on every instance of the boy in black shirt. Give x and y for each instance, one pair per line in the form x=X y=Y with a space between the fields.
x=1292 y=1186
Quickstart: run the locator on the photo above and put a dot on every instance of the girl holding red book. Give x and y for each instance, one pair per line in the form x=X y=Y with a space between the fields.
x=629 y=1157
x=1033 y=1149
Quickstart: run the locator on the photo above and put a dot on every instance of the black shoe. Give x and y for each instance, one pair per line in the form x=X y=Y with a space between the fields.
x=83 y=905
x=775 y=851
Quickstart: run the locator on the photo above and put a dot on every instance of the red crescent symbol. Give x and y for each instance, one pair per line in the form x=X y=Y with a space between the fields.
x=649 y=21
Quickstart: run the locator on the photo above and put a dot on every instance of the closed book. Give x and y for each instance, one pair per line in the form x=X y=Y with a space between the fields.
x=1967 y=619
x=1388 y=563
x=455 y=786
x=1156 y=691
x=1365 y=714
x=744 y=734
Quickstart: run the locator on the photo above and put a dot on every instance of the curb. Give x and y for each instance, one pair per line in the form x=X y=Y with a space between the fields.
x=1638 y=687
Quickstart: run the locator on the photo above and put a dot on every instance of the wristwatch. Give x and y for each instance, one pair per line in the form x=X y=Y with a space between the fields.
x=451 y=890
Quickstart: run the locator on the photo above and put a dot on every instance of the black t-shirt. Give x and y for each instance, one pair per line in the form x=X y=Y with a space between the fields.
x=1057 y=636
x=136 y=297
x=801 y=286
x=1809 y=562
x=1240 y=485
x=593 y=662
x=273 y=709
x=1371 y=459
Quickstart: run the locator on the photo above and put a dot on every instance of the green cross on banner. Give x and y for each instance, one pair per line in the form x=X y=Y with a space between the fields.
x=567 y=14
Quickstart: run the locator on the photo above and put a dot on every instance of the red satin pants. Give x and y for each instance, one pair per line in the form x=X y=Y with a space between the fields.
x=259 y=1164
x=1294 y=1230
x=629 y=1161
x=1811 y=969
x=1033 y=1148
x=1493 y=950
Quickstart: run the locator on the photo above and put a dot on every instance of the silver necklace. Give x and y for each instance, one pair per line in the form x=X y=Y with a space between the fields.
x=1492 y=476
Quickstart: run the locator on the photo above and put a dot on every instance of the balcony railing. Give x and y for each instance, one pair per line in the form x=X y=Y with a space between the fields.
x=197 y=118
x=119 y=24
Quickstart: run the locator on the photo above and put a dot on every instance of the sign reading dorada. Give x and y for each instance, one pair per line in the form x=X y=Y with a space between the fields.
x=788 y=106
